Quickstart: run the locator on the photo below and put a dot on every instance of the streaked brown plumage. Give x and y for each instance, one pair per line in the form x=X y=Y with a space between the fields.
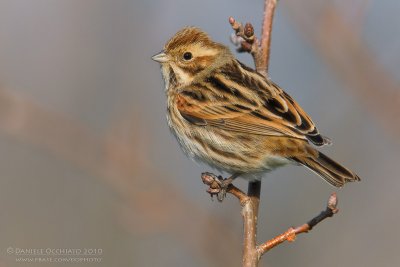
x=229 y=116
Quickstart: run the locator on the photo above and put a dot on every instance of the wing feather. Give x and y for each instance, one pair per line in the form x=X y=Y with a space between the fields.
x=236 y=98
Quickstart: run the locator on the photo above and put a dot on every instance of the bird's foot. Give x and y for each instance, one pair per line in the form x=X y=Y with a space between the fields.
x=218 y=185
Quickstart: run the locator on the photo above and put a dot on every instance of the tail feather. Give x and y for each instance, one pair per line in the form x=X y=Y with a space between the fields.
x=334 y=173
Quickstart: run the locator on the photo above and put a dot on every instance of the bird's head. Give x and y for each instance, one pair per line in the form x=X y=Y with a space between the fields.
x=189 y=53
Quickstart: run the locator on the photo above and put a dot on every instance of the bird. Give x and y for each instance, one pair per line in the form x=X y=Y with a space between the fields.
x=229 y=116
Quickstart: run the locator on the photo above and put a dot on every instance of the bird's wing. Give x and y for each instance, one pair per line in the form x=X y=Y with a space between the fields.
x=239 y=99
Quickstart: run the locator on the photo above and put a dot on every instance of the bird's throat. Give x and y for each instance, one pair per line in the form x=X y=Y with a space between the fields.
x=175 y=76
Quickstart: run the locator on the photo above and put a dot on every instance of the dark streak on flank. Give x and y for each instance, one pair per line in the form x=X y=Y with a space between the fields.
x=194 y=120
x=251 y=155
x=226 y=136
x=244 y=138
x=201 y=142
x=224 y=153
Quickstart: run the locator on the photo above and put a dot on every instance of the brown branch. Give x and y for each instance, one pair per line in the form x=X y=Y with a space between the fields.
x=250 y=216
x=246 y=41
x=263 y=58
x=290 y=234
x=243 y=198
x=249 y=203
x=260 y=56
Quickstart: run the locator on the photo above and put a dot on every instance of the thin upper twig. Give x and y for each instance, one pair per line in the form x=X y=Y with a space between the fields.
x=290 y=234
x=265 y=43
x=246 y=41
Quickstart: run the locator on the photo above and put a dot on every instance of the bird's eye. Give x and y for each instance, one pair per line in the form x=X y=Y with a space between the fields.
x=187 y=56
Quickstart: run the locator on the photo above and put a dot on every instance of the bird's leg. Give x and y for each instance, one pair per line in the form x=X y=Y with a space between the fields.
x=218 y=184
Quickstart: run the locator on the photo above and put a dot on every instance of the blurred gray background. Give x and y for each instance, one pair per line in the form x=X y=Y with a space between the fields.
x=87 y=160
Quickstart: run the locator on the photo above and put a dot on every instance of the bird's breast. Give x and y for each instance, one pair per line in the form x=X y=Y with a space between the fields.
x=226 y=150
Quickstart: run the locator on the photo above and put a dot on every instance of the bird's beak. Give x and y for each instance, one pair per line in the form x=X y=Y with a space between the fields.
x=160 y=57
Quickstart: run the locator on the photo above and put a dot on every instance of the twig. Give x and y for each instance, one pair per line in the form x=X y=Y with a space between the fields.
x=269 y=11
x=250 y=217
x=290 y=234
x=246 y=41
x=249 y=203
x=260 y=51
x=244 y=38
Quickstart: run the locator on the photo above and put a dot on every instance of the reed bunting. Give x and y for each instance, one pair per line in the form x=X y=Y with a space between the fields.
x=231 y=117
